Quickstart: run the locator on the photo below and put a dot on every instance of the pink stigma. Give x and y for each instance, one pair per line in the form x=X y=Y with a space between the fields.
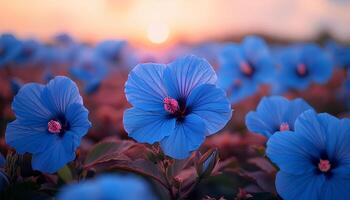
x=54 y=126
x=171 y=105
x=284 y=126
x=237 y=82
x=324 y=165
x=246 y=69
x=301 y=69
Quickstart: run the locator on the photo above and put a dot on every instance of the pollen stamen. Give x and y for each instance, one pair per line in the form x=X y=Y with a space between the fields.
x=246 y=69
x=171 y=105
x=301 y=69
x=324 y=165
x=284 y=126
x=54 y=126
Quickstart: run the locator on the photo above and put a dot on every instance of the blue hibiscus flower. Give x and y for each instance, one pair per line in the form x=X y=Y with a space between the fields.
x=303 y=64
x=274 y=114
x=9 y=48
x=50 y=121
x=177 y=104
x=111 y=187
x=249 y=63
x=314 y=160
x=90 y=69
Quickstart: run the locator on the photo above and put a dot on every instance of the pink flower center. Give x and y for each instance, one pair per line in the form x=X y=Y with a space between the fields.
x=284 y=126
x=324 y=165
x=54 y=126
x=246 y=69
x=237 y=82
x=171 y=105
x=301 y=69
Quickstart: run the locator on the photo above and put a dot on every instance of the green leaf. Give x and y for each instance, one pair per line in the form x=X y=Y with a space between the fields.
x=65 y=174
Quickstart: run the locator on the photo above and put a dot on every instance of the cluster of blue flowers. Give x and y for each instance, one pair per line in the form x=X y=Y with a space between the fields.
x=246 y=66
x=87 y=63
x=311 y=150
x=181 y=103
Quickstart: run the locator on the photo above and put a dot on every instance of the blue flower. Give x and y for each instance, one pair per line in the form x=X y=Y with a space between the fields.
x=314 y=160
x=62 y=51
x=274 y=114
x=29 y=52
x=177 y=104
x=110 y=50
x=63 y=39
x=303 y=64
x=90 y=69
x=340 y=54
x=108 y=187
x=249 y=63
x=50 y=121
x=9 y=48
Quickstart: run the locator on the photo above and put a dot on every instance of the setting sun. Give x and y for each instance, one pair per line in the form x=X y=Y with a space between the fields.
x=158 y=33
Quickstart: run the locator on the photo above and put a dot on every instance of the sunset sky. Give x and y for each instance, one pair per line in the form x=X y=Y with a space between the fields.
x=174 y=20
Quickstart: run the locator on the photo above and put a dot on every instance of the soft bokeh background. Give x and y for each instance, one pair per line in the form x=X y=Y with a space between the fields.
x=176 y=20
x=110 y=37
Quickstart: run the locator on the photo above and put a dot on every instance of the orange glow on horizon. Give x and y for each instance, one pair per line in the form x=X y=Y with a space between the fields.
x=191 y=21
x=158 y=33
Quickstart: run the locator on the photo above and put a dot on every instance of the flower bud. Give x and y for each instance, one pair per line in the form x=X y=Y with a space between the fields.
x=207 y=163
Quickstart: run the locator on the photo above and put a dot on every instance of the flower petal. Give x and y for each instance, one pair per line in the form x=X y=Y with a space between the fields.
x=210 y=104
x=309 y=128
x=186 y=137
x=29 y=108
x=268 y=117
x=320 y=64
x=255 y=48
x=257 y=52
x=57 y=155
x=295 y=108
x=239 y=92
x=230 y=58
x=303 y=186
x=337 y=187
x=186 y=73
x=146 y=126
x=59 y=93
x=26 y=138
x=144 y=87
x=292 y=153
x=77 y=116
